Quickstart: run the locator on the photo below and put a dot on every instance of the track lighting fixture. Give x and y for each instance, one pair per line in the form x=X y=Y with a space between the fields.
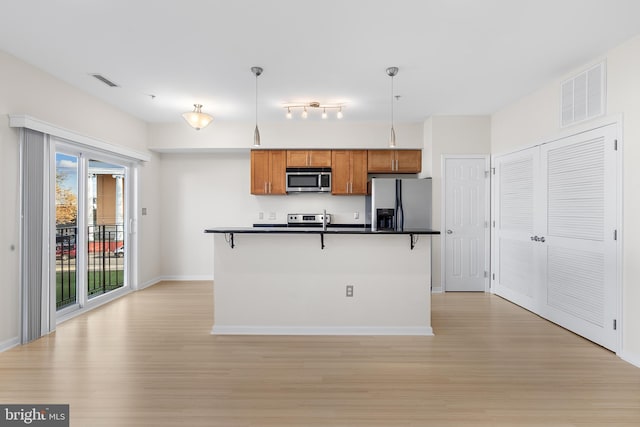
x=308 y=106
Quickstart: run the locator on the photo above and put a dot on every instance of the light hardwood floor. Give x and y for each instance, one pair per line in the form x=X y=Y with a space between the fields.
x=148 y=360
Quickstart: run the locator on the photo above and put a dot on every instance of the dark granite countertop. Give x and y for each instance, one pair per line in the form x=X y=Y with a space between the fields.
x=333 y=229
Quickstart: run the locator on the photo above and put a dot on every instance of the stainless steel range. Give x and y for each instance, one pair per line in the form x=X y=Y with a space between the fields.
x=308 y=220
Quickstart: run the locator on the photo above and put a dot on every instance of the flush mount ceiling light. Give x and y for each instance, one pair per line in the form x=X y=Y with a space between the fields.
x=256 y=133
x=196 y=118
x=313 y=105
x=391 y=72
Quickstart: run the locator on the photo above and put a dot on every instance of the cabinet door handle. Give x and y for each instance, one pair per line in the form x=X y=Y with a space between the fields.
x=542 y=239
x=449 y=231
x=533 y=238
x=269 y=187
x=265 y=187
x=396 y=165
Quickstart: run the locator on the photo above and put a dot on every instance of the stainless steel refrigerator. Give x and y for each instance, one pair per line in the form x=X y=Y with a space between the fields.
x=399 y=204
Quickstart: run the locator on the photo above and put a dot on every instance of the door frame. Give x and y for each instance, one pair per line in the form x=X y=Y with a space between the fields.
x=84 y=303
x=487 y=215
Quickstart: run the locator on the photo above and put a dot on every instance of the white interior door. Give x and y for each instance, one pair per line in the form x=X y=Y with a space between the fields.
x=515 y=269
x=578 y=234
x=465 y=223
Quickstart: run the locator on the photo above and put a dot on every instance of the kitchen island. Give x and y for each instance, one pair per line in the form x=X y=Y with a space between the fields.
x=293 y=281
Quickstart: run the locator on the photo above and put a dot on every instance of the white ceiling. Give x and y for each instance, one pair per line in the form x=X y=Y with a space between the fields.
x=455 y=56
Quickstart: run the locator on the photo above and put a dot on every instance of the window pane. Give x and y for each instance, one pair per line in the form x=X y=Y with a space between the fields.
x=66 y=229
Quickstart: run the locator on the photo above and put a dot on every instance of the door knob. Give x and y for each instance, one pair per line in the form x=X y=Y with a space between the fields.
x=449 y=232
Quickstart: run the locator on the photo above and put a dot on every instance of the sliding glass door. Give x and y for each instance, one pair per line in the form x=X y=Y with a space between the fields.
x=91 y=217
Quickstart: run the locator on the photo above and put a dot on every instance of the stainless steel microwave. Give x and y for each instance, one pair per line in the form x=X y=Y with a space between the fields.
x=311 y=180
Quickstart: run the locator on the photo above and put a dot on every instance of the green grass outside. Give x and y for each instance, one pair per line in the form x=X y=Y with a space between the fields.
x=114 y=280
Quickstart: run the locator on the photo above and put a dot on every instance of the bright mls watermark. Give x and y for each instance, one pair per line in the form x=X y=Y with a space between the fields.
x=34 y=415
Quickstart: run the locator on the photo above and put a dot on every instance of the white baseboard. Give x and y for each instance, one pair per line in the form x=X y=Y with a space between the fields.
x=159 y=279
x=204 y=278
x=322 y=330
x=10 y=343
x=634 y=359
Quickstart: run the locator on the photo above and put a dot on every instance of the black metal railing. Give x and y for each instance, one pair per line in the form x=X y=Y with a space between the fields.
x=65 y=265
x=105 y=261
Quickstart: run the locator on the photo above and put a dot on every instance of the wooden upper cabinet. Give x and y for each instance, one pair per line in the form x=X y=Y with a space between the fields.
x=308 y=158
x=359 y=172
x=381 y=160
x=395 y=161
x=348 y=172
x=409 y=161
x=268 y=169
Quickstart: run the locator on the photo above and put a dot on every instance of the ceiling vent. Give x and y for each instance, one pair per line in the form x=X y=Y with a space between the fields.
x=582 y=97
x=105 y=80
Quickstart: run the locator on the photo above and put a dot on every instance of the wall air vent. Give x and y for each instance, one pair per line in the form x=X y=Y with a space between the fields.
x=582 y=97
x=104 y=80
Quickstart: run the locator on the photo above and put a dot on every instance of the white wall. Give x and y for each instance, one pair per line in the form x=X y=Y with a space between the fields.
x=200 y=181
x=286 y=134
x=27 y=90
x=535 y=118
x=450 y=135
x=206 y=181
x=149 y=225
x=209 y=190
x=623 y=71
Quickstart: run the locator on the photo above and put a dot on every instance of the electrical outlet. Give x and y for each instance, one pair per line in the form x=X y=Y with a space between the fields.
x=144 y=211
x=260 y=215
x=350 y=290
x=356 y=215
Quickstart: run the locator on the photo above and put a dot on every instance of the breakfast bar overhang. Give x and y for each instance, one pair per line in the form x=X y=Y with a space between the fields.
x=288 y=281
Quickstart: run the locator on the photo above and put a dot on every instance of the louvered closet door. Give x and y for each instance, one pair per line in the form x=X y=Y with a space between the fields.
x=515 y=267
x=579 y=287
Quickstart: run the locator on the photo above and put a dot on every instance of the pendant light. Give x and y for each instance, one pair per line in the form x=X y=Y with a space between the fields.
x=196 y=118
x=391 y=72
x=256 y=133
